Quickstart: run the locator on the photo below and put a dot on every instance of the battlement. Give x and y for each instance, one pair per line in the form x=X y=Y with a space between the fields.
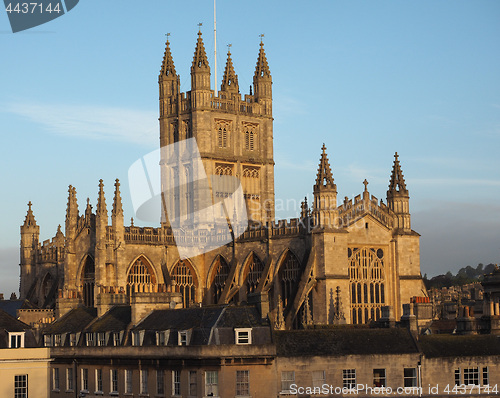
x=51 y=250
x=233 y=105
x=353 y=209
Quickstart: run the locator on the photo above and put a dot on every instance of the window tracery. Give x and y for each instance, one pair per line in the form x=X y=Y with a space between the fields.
x=366 y=273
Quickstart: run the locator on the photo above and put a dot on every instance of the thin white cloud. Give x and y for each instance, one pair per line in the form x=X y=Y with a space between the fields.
x=92 y=122
x=456 y=181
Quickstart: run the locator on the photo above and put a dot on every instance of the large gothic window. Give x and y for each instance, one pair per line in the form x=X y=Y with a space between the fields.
x=366 y=274
x=219 y=281
x=88 y=282
x=289 y=276
x=255 y=269
x=185 y=281
x=141 y=273
x=47 y=285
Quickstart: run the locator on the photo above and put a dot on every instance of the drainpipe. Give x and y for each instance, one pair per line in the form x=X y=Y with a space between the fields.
x=420 y=377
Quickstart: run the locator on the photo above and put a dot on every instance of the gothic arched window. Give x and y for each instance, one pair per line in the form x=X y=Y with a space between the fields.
x=219 y=281
x=255 y=269
x=289 y=275
x=88 y=282
x=185 y=281
x=366 y=273
x=141 y=273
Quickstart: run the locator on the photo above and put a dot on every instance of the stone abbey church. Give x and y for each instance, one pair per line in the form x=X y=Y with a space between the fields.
x=333 y=264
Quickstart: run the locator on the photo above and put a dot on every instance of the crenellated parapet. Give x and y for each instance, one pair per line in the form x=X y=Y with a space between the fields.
x=353 y=209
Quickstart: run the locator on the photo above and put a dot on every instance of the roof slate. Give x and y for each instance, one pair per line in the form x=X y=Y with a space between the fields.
x=180 y=319
x=11 y=324
x=11 y=306
x=344 y=341
x=241 y=317
x=74 y=321
x=434 y=346
x=115 y=320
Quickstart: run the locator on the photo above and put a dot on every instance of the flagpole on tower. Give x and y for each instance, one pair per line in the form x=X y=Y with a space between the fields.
x=215 y=52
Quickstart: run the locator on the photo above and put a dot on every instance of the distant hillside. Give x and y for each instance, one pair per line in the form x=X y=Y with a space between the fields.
x=463 y=276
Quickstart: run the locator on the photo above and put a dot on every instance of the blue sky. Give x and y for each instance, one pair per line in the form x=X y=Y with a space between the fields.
x=79 y=102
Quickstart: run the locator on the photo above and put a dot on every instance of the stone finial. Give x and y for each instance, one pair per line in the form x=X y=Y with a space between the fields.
x=324 y=178
x=59 y=234
x=117 y=200
x=304 y=208
x=30 y=218
x=397 y=182
x=339 y=316
x=72 y=208
x=230 y=79
x=101 y=201
x=200 y=60
x=88 y=209
x=167 y=65
x=262 y=68
x=279 y=324
x=306 y=314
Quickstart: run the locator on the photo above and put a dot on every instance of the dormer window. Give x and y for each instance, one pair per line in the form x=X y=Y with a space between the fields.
x=16 y=340
x=72 y=339
x=243 y=336
x=47 y=340
x=116 y=339
x=101 y=339
x=90 y=339
x=183 y=337
x=57 y=340
x=162 y=337
x=137 y=338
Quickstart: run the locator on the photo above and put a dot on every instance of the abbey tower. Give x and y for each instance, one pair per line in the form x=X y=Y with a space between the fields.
x=234 y=135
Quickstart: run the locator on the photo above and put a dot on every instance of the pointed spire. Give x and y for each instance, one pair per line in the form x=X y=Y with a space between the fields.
x=167 y=66
x=88 y=209
x=117 y=200
x=306 y=314
x=324 y=177
x=59 y=231
x=200 y=60
x=230 y=79
x=101 y=201
x=397 y=182
x=279 y=324
x=30 y=218
x=72 y=209
x=262 y=68
x=339 y=311
x=304 y=208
